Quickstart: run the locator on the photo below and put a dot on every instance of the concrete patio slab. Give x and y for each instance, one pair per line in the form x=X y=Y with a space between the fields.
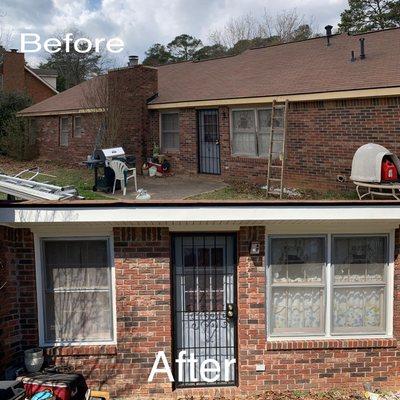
x=174 y=187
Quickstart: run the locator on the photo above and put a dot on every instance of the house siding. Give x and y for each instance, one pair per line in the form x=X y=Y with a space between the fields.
x=321 y=140
x=144 y=326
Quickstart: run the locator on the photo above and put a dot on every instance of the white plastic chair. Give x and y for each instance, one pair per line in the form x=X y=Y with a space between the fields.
x=121 y=172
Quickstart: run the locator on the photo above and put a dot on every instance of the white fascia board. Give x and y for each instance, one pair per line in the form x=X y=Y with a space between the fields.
x=200 y=214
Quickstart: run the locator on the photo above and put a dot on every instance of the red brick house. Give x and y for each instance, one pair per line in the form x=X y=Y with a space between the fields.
x=16 y=76
x=214 y=116
x=295 y=295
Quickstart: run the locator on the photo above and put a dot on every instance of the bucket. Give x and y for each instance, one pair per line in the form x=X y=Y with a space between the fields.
x=34 y=359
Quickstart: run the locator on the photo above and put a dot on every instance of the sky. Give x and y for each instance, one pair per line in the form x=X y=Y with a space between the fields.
x=142 y=23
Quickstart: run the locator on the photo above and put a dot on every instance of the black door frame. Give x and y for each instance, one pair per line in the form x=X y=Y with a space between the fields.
x=234 y=236
x=216 y=171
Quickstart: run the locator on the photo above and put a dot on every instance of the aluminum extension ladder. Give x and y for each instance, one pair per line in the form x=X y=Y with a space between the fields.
x=28 y=189
x=276 y=164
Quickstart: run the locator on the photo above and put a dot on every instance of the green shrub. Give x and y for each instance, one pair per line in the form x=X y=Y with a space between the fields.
x=19 y=138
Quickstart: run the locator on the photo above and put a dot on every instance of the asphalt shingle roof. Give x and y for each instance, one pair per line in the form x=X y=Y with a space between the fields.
x=308 y=66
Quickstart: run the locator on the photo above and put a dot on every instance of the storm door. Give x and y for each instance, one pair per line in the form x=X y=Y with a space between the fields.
x=209 y=146
x=205 y=305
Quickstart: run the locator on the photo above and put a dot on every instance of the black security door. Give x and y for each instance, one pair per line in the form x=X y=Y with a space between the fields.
x=209 y=146
x=205 y=304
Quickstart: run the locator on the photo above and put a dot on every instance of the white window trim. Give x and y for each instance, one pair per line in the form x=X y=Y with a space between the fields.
x=162 y=148
x=389 y=301
x=38 y=239
x=255 y=110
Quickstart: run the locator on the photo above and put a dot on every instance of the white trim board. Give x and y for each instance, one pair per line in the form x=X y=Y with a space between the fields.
x=218 y=214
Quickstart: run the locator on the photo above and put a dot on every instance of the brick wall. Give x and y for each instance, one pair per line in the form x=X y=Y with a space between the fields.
x=18 y=317
x=142 y=263
x=143 y=287
x=36 y=89
x=321 y=140
x=17 y=79
x=129 y=89
x=78 y=147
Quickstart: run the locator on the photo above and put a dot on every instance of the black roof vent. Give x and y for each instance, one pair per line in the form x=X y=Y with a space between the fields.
x=362 y=48
x=328 y=30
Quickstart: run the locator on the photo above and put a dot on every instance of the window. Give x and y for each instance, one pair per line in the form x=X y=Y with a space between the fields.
x=251 y=131
x=298 y=285
x=359 y=284
x=169 y=131
x=78 y=130
x=302 y=278
x=65 y=127
x=76 y=287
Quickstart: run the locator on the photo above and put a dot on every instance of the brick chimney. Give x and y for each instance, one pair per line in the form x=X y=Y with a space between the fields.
x=129 y=89
x=13 y=71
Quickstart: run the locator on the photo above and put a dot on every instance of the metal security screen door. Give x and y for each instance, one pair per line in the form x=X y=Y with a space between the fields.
x=209 y=147
x=205 y=306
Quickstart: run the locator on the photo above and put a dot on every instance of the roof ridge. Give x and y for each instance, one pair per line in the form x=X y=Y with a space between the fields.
x=376 y=31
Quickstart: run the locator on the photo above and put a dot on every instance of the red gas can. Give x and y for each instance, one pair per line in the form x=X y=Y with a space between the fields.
x=389 y=171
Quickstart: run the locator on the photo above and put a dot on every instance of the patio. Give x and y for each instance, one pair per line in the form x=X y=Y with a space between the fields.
x=176 y=187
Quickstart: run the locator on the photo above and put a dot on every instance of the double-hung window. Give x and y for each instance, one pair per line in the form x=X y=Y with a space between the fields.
x=170 y=131
x=65 y=129
x=328 y=286
x=250 y=131
x=78 y=126
x=76 y=291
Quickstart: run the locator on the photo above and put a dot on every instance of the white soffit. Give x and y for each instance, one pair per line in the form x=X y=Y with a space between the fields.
x=201 y=215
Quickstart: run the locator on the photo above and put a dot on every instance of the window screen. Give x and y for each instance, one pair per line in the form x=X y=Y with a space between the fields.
x=77 y=290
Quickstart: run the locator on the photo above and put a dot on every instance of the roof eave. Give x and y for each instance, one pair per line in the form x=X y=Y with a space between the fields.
x=317 y=96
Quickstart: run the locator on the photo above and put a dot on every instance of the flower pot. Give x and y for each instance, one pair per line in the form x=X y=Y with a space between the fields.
x=34 y=359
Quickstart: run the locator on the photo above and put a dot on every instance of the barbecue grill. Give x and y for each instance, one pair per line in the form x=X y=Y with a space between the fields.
x=104 y=175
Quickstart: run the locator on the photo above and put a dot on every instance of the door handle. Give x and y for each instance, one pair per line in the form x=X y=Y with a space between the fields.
x=217 y=142
x=230 y=312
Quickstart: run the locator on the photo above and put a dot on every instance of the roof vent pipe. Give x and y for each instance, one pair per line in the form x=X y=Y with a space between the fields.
x=362 y=49
x=133 y=60
x=328 y=30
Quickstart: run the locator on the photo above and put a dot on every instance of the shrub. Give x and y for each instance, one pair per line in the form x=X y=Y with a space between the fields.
x=10 y=104
x=19 y=138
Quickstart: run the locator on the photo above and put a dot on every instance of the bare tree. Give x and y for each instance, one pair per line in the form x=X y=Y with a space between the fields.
x=286 y=26
x=103 y=100
x=6 y=34
x=246 y=27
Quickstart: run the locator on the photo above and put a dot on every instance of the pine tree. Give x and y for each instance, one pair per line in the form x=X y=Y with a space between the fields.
x=369 y=15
